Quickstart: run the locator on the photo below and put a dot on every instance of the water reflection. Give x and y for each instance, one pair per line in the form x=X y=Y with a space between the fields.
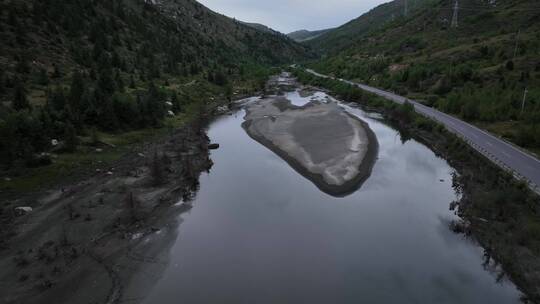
x=261 y=233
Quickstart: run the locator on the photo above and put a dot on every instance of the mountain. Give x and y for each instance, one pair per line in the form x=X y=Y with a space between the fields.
x=478 y=69
x=262 y=28
x=333 y=40
x=176 y=31
x=305 y=35
x=336 y=39
x=85 y=64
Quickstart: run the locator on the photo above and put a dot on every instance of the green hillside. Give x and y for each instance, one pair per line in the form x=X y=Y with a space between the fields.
x=69 y=69
x=337 y=39
x=478 y=70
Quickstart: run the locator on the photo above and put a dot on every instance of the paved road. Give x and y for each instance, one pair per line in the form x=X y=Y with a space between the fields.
x=507 y=156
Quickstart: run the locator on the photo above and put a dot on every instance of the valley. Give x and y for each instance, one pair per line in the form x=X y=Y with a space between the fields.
x=159 y=151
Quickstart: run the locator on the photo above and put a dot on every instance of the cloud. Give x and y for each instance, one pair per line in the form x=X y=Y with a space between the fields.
x=290 y=15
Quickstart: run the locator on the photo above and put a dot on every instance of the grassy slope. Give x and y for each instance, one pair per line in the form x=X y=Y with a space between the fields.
x=464 y=71
x=335 y=40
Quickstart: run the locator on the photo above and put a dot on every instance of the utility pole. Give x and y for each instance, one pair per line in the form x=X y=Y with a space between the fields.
x=455 y=16
x=517 y=44
x=523 y=102
x=406 y=8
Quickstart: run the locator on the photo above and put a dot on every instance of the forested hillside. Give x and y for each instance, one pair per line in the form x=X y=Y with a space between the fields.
x=335 y=40
x=479 y=68
x=72 y=69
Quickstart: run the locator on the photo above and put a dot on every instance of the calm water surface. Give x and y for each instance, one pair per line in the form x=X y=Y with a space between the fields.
x=261 y=233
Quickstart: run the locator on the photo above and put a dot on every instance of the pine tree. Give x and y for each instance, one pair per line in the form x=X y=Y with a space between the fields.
x=119 y=10
x=510 y=65
x=220 y=79
x=194 y=69
x=107 y=118
x=22 y=65
x=70 y=138
x=57 y=73
x=94 y=136
x=158 y=174
x=43 y=77
x=46 y=122
x=20 y=101
x=119 y=81
x=2 y=82
x=116 y=60
x=12 y=17
x=76 y=93
x=155 y=107
x=57 y=99
x=106 y=82
x=76 y=90
x=177 y=107
x=132 y=82
x=229 y=93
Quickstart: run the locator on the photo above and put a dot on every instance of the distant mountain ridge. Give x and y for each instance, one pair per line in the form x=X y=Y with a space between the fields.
x=339 y=38
x=305 y=35
x=262 y=28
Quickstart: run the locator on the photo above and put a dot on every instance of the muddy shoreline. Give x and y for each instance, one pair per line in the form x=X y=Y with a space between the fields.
x=88 y=242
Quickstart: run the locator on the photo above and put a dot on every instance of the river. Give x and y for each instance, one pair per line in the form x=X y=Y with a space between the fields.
x=259 y=232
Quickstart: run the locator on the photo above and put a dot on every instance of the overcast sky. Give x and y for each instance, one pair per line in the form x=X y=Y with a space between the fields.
x=291 y=15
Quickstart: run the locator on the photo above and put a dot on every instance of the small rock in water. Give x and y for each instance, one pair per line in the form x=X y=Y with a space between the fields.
x=222 y=109
x=7 y=179
x=98 y=150
x=136 y=236
x=213 y=146
x=20 y=211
